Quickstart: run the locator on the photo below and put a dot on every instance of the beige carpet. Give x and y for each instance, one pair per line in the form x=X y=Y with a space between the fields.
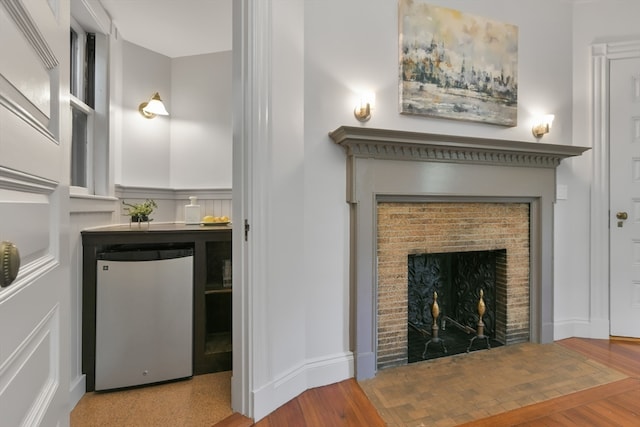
x=453 y=390
x=200 y=401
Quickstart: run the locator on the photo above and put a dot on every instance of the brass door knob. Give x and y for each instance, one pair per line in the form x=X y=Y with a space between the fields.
x=622 y=215
x=9 y=263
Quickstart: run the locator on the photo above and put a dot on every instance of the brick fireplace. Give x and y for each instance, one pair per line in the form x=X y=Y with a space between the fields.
x=398 y=167
x=427 y=228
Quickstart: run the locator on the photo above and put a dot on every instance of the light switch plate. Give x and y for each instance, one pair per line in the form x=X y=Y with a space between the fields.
x=562 y=192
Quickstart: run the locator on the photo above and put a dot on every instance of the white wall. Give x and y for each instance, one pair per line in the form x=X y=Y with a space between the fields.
x=190 y=148
x=201 y=121
x=145 y=144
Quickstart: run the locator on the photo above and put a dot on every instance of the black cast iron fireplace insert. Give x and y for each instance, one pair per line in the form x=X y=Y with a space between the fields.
x=458 y=280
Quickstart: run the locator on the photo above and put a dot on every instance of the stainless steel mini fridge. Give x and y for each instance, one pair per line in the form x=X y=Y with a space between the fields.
x=144 y=317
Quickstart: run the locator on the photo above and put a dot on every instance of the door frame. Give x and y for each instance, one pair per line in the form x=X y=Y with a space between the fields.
x=251 y=83
x=601 y=56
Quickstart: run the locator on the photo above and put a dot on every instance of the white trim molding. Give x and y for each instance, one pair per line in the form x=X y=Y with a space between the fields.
x=29 y=28
x=252 y=138
x=18 y=181
x=125 y=192
x=313 y=373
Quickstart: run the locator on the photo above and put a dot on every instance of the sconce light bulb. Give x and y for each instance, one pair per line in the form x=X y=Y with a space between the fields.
x=363 y=112
x=153 y=107
x=364 y=106
x=542 y=126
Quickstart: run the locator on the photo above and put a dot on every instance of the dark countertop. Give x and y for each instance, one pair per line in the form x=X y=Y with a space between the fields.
x=156 y=227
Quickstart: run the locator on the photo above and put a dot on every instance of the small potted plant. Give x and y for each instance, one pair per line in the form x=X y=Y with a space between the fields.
x=139 y=212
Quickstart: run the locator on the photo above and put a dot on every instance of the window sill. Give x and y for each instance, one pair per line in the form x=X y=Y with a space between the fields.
x=80 y=202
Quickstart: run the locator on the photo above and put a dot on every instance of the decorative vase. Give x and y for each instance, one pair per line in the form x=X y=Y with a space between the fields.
x=139 y=219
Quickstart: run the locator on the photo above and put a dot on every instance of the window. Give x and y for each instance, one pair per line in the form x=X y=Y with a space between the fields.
x=82 y=112
x=81 y=143
x=87 y=113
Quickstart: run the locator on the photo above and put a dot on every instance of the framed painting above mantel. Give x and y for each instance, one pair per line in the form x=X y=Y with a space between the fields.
x=457 y=66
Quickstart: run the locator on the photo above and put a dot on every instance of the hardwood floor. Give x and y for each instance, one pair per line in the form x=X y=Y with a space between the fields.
x=343 y=404
x=622 y=355
x=615 y=404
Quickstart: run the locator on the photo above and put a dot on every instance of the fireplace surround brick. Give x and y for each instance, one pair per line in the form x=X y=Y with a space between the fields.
x=433 y=227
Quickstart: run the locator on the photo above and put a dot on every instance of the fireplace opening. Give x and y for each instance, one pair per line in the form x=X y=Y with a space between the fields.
x=465 y=292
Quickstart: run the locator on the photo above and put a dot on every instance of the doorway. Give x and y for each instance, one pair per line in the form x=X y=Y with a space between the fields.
x=624 y=161
x=615 y=130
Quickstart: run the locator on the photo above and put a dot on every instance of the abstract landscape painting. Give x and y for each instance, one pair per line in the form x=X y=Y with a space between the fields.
x=457 y=66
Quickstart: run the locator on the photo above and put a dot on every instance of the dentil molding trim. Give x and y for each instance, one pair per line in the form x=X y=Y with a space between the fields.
x=403 y=145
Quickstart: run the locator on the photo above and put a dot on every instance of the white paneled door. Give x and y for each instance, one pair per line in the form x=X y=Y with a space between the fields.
x=34 y=135
x=625 y=197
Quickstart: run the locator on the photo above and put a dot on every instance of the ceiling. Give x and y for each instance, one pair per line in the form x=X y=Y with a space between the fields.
x=174 y=28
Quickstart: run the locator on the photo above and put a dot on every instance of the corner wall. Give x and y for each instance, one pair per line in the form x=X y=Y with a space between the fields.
x=190 y=148
x=145 y=143
x=201 y=98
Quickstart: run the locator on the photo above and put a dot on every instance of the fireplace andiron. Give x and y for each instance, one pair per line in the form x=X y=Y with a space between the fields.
x=480 y=331
x=435 y=313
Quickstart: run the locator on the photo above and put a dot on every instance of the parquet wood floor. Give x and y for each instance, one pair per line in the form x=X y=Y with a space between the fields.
x=616 y=403
x=454 y=390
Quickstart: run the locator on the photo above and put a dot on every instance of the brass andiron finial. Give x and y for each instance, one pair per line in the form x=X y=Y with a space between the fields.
x=481 y=310
x=435 y=313
x=480 y=328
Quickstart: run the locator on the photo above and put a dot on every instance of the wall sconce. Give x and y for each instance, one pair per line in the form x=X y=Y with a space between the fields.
x=542 y=125
x=154 y=107
x=363 y=108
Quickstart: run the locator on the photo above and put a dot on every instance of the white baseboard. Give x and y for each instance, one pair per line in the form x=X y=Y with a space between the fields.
x=313 y=373
x=77 y=389
x=329 y=370
x=598 y=328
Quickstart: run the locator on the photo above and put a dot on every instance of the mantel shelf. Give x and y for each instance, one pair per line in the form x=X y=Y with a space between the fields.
x=403 y=145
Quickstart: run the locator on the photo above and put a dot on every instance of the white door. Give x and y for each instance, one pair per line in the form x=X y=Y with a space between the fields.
x=34 y=135
x=625 y=197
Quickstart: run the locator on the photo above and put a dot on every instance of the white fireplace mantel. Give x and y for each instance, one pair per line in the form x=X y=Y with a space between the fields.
x=384 y=165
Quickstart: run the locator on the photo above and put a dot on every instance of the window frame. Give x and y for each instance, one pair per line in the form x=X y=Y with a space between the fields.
x=77 y=104
x=96 y=164
x=77 y=52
